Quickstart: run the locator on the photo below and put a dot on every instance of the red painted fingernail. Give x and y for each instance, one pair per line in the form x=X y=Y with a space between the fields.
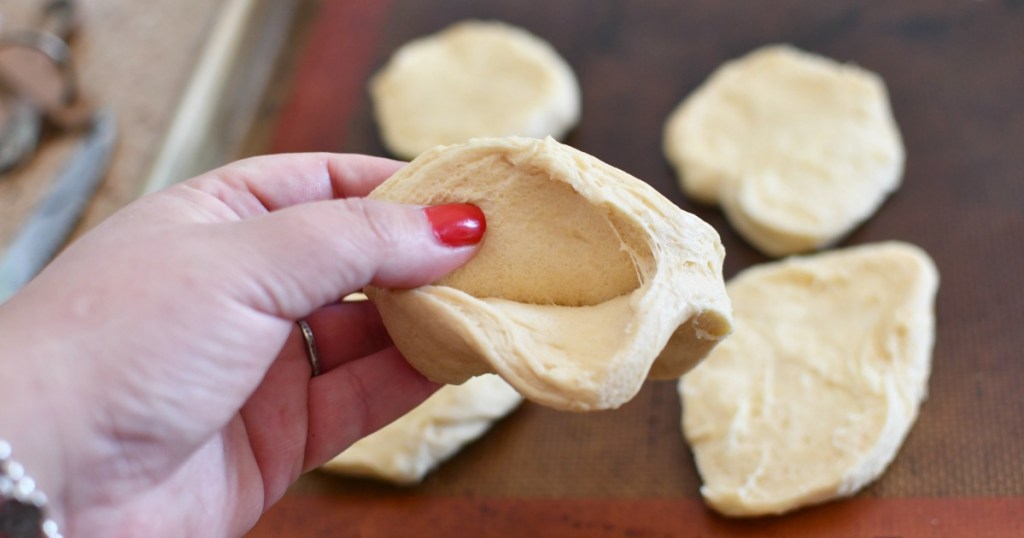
x=457 y=225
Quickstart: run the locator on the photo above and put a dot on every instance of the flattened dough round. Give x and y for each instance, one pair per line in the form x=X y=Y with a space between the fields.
x=585 y=277
x=406 y=450
x=797 y=149
x=813 y=394
x=473 y=79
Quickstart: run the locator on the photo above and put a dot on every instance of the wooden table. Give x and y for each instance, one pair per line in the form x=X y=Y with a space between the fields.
x=135 y=57
x=163 y=67
x=955 y=72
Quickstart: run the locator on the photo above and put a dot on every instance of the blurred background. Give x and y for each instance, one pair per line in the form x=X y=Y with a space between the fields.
x=196 y=83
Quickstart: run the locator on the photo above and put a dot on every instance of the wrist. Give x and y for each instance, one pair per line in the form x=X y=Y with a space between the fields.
x=29 y=423
x=31 y=473
x=23 y=507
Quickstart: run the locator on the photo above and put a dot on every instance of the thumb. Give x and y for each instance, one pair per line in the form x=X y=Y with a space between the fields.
x=308 y=255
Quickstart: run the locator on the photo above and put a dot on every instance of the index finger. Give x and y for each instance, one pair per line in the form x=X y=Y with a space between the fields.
x=273 y=182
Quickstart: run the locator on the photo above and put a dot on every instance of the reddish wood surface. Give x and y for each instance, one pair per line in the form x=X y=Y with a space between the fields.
x=599 y=518
x=330 y=76
x=955 y=72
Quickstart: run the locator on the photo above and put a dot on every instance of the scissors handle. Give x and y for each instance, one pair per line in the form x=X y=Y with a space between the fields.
x=60 y=18
x=37 y=80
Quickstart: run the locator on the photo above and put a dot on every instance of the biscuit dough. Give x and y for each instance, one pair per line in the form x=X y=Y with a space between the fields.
x=585 y=277
x=474 y=78
x=406 y=450
x=797 y=149
x=815 y=391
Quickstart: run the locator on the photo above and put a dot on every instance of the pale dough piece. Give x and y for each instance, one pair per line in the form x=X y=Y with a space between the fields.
x=813 y=394
x=406 y=450
x=585 y=277
x=797 y=148
x=473 y=79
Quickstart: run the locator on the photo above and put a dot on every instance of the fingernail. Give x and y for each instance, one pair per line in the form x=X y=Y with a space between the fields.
x=457 y=225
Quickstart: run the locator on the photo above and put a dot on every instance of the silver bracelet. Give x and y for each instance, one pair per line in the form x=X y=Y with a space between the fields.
x=22 y=506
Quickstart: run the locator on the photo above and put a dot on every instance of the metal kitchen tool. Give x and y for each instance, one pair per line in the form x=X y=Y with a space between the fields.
x=37 y=82
x=49 y=225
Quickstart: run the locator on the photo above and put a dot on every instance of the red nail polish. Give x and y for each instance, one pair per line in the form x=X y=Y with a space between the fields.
x=457 y=225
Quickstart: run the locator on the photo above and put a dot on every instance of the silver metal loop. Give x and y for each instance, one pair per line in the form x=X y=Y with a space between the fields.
x=311 y=351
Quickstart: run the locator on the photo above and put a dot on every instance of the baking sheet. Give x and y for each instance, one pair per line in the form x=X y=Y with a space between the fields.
x=955 y=72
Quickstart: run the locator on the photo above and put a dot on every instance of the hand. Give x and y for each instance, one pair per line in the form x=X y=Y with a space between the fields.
x=159 y=383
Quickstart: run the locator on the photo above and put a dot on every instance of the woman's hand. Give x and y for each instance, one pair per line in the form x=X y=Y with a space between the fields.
x=160 y=384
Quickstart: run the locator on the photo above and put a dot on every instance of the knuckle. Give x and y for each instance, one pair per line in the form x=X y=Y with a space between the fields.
x=360 y=404
x=377 y=220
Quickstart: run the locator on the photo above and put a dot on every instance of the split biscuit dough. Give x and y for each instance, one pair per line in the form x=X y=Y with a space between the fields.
x=797 y=149
x=473 y=79
x=406 y=450
x=813 y=394
x=587 y=281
